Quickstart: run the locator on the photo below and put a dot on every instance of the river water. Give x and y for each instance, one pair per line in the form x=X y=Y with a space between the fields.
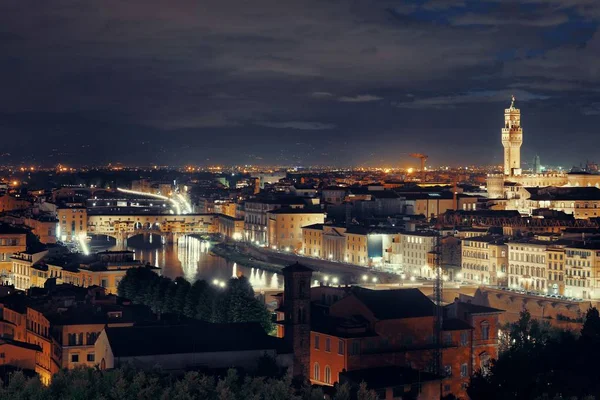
x=191 y=259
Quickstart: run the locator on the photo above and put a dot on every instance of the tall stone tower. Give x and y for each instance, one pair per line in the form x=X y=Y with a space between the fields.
x=296 y=308
x=537 y=166
x=512 y=139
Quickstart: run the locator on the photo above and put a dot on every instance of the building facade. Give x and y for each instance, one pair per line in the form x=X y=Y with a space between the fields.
x=73 y=223
x=284 y=229
x=527 y=265
x=12 y=240
x=485 y=260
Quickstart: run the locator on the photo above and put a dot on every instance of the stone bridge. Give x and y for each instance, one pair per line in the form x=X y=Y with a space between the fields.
x=170 y=227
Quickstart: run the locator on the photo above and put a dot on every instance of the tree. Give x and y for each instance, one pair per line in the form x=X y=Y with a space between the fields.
x=183 y=288
x=542 y=362
x=365 y=394
x=342 y=392
x=237 y=303
x=590 y=333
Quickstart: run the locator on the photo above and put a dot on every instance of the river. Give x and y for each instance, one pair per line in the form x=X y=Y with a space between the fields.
x=191 y=259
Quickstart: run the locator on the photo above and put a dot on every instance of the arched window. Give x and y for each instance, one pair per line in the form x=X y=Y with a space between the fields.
x=316 y=372
x=485 y=330
x=327 y=374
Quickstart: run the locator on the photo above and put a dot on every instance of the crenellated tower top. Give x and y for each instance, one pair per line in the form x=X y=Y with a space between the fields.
x=512 y=139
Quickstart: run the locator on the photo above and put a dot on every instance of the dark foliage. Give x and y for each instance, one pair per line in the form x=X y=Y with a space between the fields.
x=131 y=384
x=234 y=303
x=540 y=362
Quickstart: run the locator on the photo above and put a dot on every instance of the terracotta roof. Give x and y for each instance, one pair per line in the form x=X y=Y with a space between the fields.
x=396 y=304
x=137 y=341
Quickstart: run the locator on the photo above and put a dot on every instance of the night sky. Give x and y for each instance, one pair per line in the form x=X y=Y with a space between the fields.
x=329 y=82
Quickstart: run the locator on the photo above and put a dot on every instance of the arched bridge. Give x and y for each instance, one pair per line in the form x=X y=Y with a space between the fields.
x=171 y=227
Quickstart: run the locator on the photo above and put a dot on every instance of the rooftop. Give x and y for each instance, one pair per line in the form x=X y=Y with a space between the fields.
x=396 y=303
x=194 y=338
x=477 y=309
x=6 y=229
x=567 y=193
x=455 y=324
x=314 y=226
x=289 y=210
x=492 y=239
x=25 y=345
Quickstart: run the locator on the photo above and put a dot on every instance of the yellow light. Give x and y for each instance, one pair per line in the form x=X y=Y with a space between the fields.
x=15 y=183
x=410 y=170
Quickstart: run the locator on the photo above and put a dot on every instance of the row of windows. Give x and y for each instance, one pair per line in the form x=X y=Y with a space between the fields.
x=578 y=263
x=76 y=339
x=528 y=283
x=526 y=270
x=476 y=244
x=475 y=267
x=578 y=282
x=556 y=277
x=317 y=373
x=533 y=258
x=476 y=254
x=9 y=242
x=578 y=272
x=90 y=357
x=556 y=266
x=464 y=370
x=328 y=345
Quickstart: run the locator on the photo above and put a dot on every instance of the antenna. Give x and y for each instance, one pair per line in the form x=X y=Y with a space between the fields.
x=439 y=311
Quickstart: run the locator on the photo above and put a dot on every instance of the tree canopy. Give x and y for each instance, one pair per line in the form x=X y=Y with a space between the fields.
x=128 y=383
x=541 y=362
x=200 y=300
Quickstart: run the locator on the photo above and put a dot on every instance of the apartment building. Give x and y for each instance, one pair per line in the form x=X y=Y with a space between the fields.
x=582 y=271
x=485 y=259
x=22 y=267
x=361 y=330
x=527 y=265
x=12 y=240
x=284 y=229
x=256 y=219
x=414 y=248
x=555 y=258
x=72 y=223
x=62 y=323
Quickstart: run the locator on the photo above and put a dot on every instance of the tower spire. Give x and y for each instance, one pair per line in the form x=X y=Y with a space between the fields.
x=512 y=138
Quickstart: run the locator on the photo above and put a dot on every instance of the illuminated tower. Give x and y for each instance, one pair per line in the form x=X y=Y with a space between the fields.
x=512 y=139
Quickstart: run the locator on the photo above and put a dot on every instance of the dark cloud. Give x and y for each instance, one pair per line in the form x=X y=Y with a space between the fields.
x=361 y=98
x=302 y=125
x=370 y=73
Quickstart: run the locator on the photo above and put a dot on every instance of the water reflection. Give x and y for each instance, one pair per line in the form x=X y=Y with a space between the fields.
x=191 y=259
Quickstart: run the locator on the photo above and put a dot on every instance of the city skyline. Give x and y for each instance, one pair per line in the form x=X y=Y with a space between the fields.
x=310 y=83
